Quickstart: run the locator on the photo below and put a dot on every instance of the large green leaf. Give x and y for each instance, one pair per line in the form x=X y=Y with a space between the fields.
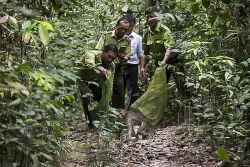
x=195 y=8
x=242 y=99
x=57 y=104
x=15 y=102
x=47 y=25
x=169 y=15
x=26 y=24
x=69 y=75
x=25 y=67
x=125 y=8
x=231 y=125
x=206 y=3
x=197 y=64
x=222 y=154
x=47 y=156
x=159 y=15
x=212 y=18
x=44 y=35
x=17 y=87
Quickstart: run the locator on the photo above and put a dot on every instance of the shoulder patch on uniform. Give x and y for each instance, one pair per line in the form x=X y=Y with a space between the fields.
x=163 y=27
x=127 y=39
x=107 y=32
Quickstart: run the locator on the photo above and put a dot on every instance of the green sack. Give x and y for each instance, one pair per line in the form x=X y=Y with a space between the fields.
x=153 y=102
x=89 y=74
x=103 y=105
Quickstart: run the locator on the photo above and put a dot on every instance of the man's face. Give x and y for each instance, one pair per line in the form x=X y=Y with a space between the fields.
x=108 y=57
x=121 y=29
x=131 y=28
x=151 y=19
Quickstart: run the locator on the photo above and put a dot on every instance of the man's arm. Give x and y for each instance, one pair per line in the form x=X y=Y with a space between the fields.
x=166 y=56
x=139 y=47
x=144 y=60
x=143 y=71
x=168 y=44
x=125 y=55
x=103 y=71
x=90 y=60
x=127 y=52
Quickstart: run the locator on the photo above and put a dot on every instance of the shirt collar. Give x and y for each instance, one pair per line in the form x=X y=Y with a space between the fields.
x=157 y=27
x=132 y=35
x=113 y=35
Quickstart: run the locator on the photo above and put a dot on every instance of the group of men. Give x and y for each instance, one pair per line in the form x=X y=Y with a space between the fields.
x=123 y=51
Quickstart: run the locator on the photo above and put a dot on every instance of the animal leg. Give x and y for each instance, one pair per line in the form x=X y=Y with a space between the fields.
x=141 y=131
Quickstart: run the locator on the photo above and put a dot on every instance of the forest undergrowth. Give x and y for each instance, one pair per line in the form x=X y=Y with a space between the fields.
x=168 y=145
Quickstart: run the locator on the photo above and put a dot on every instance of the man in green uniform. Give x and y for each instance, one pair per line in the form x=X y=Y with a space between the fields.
x=117 y=37
x=157 y=43
x=99 y=64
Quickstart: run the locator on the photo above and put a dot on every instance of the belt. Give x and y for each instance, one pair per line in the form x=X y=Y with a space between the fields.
x=129 y=65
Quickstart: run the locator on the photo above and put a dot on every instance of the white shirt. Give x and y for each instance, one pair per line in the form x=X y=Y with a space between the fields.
x=136 y=48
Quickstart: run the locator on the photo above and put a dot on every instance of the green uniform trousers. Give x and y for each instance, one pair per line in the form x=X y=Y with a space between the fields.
x=86 y=89
x=118 y=96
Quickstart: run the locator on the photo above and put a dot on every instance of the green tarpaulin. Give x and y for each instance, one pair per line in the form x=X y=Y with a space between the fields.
x=103 y=105
x=153 y=102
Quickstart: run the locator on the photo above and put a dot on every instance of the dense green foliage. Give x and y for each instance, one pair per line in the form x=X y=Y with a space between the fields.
x=40 y=45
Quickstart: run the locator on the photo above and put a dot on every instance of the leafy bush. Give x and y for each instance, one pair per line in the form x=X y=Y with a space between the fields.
x=41 y=42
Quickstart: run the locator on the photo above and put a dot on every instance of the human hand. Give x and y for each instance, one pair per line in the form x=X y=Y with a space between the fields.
x=143 y=75
x=125 y=58
x=103 y=71
x=120 y=55
x=162 y=63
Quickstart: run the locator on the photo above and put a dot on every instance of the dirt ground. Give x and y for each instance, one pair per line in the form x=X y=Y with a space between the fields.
x=170 y=146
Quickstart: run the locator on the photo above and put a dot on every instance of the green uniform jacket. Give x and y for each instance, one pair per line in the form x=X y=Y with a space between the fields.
x=91 y=60
x=110 y=38
x=155 y=43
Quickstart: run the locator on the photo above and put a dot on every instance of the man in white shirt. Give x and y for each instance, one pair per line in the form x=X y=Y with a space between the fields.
x=130 y=69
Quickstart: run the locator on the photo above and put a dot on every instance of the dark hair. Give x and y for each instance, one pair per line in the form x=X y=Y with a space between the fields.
x=121 y=19
x=129 y=17
x=112 y=48
x=151 y=9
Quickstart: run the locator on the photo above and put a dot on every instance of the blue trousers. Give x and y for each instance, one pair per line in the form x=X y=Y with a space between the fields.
x=130 y=76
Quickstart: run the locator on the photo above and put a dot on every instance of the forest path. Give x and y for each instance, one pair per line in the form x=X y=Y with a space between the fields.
x=169 y=146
